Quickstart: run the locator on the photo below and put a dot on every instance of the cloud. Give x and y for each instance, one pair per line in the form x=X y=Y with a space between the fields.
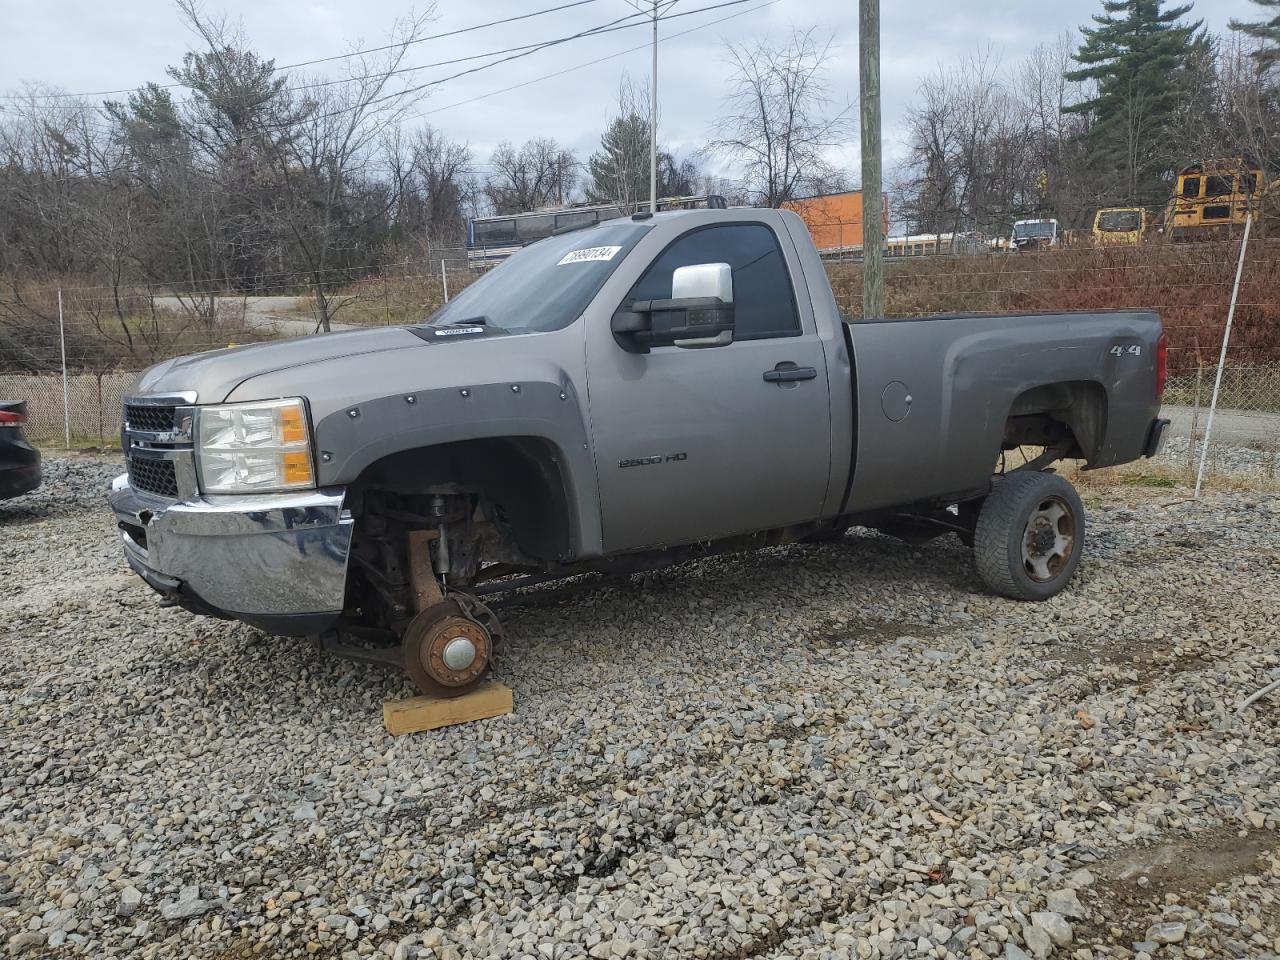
x=82 y=45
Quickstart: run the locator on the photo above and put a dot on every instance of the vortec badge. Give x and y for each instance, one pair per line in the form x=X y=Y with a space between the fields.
x=459 y=332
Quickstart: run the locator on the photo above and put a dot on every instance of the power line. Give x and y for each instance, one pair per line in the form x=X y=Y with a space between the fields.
x=611 y=56
x=551 y=43
x=609 y=27
x=339 y=56
x=601 y=29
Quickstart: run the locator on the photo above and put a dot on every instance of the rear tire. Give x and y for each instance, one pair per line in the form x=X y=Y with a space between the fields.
x=1030 y=536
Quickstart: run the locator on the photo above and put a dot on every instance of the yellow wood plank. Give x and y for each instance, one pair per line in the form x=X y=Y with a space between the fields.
x=430 y=713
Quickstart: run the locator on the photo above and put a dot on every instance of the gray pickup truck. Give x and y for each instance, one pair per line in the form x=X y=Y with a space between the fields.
x=613 y=398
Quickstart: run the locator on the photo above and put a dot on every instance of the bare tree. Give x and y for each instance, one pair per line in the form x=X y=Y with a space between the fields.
x=321 y=148
x=971 y=163
x=540 y=173
x=1055 y=149
x=438 y=187
x=619 y=170
x=780 y=122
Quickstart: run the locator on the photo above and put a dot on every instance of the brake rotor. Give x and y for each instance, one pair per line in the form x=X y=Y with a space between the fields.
x=446 y=651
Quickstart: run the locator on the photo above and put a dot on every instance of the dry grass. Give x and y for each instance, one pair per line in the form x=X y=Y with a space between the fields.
x=1190 y=285
x=107 y=331
x=1144 y=473
x=389 y=300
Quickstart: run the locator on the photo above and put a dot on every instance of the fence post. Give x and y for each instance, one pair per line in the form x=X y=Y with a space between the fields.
x=444 y=280
x=1195 y=418
x=1222 y=356
x=66 y=406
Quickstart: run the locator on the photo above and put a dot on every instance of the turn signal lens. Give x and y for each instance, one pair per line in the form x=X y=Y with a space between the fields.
x=297 y=469
x=293 y=428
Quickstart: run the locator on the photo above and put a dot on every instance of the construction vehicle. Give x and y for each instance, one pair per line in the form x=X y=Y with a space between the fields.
x=1213 y=198
x=1119 y=226
x=1035 y=235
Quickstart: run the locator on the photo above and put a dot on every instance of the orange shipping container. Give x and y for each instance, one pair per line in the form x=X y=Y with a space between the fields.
x=835 y=219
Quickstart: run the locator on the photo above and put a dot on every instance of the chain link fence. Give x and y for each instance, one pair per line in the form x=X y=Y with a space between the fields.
x=91 y=415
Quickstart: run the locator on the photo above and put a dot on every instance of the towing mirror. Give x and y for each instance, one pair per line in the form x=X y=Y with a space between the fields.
x=699 y=313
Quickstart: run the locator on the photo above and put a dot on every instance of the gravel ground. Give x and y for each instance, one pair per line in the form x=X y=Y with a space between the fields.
x=835 y=751
x=1257 y=462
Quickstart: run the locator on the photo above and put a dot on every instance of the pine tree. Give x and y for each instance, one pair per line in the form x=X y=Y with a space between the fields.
x=1268 y=31
x=1139 y=54
x=620 y=168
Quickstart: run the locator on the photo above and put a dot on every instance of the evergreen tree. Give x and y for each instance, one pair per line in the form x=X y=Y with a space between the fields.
x=619 y=170
x=1268 y=31
x=1139 y=54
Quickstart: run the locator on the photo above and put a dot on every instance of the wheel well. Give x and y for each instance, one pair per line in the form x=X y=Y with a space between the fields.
x=1070 y=415
x=519 y=478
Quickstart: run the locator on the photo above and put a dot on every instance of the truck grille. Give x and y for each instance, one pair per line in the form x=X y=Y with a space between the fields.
x=153 y=476
x=148 y=418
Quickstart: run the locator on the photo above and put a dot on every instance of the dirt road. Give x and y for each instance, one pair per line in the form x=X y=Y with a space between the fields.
x=278 y=314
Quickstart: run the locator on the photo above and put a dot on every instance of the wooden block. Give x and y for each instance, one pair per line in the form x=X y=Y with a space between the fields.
x=493 y=699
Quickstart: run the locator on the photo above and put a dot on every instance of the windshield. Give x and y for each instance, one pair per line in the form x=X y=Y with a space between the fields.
x=546 y=285
x=1033 y=229
x=1118 y=221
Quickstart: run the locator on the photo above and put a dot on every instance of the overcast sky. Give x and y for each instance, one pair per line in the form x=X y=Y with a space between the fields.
x=92 y=45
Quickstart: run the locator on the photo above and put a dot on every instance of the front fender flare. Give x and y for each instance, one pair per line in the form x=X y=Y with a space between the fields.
x=350 y=440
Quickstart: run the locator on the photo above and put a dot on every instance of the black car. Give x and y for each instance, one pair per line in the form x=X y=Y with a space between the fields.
x=19 y=460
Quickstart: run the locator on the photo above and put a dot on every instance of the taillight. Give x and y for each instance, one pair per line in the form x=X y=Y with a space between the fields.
x=10 y=418
x=1162 y=364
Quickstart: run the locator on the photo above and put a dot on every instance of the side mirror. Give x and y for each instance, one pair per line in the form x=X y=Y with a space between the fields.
x=699 y=313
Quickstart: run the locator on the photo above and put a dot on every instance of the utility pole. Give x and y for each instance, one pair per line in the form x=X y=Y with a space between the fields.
x=653 y=99
x=872 y=192
x=653 y=118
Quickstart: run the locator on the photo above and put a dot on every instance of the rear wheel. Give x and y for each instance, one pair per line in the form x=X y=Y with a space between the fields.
x=1029 y=536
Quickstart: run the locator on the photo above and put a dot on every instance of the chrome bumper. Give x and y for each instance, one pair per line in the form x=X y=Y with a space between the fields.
x=277 y=561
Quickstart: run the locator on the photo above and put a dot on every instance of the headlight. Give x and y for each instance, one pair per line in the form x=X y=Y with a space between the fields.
x=254 y=447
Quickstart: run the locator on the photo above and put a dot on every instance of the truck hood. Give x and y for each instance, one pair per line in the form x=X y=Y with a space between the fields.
x=213 y=376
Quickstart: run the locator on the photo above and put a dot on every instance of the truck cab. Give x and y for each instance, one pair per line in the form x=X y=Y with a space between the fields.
x=1035 y=235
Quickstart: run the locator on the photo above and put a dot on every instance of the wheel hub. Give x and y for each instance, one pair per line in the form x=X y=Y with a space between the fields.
x=459 y=653
x=1048 y=540
x=446 y=651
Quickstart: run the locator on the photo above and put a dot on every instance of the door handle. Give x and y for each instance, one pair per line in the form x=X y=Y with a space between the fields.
x=788 y=372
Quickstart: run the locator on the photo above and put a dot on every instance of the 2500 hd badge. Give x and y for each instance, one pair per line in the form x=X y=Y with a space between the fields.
x=648 y=461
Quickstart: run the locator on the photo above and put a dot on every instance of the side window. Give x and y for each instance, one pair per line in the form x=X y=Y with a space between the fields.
x=1218 y=187
x=764 y=304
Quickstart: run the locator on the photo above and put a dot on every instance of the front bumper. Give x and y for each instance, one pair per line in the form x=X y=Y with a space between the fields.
x=276 y=561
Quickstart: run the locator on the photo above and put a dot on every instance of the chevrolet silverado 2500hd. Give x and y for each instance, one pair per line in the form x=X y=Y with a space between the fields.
x=616 y=397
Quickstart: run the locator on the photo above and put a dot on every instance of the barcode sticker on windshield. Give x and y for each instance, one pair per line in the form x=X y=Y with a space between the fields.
x=588 y=254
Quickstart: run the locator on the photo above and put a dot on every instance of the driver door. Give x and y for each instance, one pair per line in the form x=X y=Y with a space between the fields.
x=700 y=443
